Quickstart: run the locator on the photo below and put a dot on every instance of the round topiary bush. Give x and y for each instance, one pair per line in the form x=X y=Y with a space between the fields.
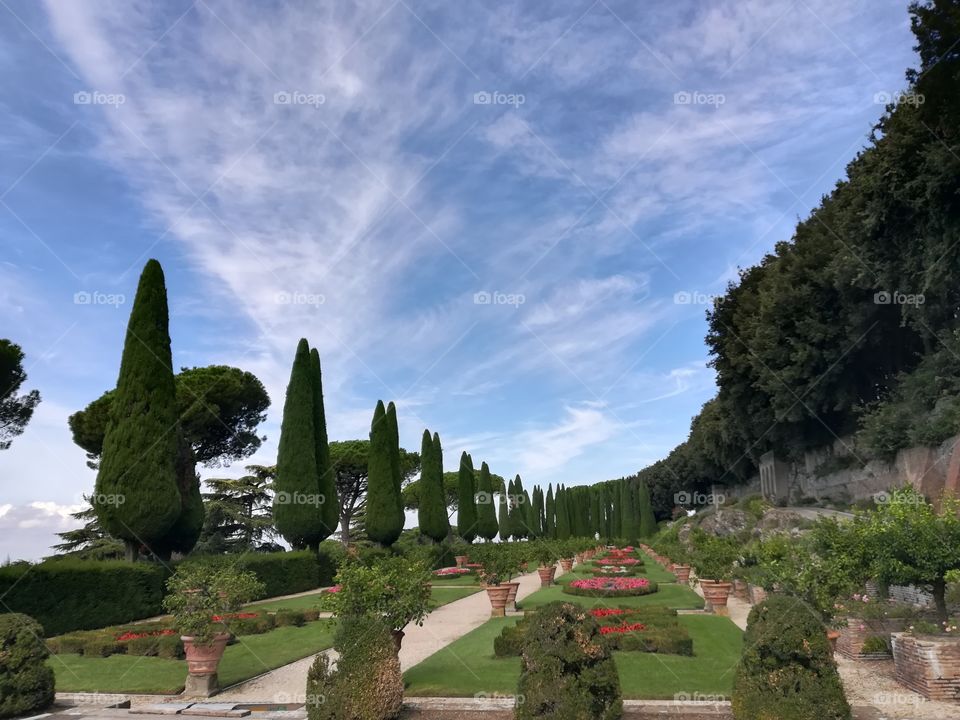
x=26 y=683
x=787 y=671
x=611 y=587
x=567 y=671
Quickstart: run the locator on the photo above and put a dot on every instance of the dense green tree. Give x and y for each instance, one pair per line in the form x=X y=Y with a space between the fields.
x=381 y=507
x=518 y=525
x=550 y=514
x=648 y=523
x=395 y=460
x=467 y=506
x=15 y=410
x=563 y=514
x=536 y=513
x=139 y=461
x=432 y=509
x=487 y=525
x=239 y=513
x=326 y=476
x=503 y=517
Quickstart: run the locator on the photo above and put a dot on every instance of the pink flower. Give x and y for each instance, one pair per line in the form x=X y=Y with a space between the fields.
x=442 y=572
x=334 y=589
x=602 y=583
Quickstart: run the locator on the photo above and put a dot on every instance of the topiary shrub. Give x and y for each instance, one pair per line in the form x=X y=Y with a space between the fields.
x=26 y=682
x=366 y=684
x=284 y=618
x=787 y=671
x=567 y=672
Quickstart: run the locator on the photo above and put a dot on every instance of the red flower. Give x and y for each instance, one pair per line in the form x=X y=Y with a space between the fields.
x=634 y=627
x=604 y=612
x=135 y=636
x=608 y=583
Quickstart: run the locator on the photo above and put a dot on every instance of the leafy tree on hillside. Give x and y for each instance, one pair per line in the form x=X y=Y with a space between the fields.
x=15 y=410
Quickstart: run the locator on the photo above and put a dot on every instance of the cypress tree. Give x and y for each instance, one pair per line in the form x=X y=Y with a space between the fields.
x=563 y=516
x=616 y=519
x=536 y=513
x=295 y=512
x=183 y=534
x=631 y=518
x=466 y=504
x=140 y=446
x=517 y=524
x=648 y=523
x=528 y=530
x=549 y=514
x=504 y=517
x=381 y=515
x=395 y=461
x=326 y=477
x=432 y=513
x=487 y=525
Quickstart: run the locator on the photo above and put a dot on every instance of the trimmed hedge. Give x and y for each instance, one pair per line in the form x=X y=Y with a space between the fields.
x=26 y=681
x=66 y=595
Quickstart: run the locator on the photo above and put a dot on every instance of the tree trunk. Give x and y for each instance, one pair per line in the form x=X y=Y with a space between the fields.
x=345 y=530
x=939 y=599
x=131 y=550
x=314 y=548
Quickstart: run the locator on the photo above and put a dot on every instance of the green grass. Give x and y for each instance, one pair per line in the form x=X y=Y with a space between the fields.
x=440 y=595
x=467 y=666
x=651 y=571
x=443 y=595
x=471 y=579
x=668 y=595
x=253 y=655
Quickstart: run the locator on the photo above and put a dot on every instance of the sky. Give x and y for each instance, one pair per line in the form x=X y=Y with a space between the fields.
x=506 y=217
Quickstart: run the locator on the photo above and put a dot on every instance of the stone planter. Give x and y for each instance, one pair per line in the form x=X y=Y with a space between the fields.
x=682 y=573
x=566 y=564
x=856 y=631
x=756 y=594
x=546 y=575
x=512 y=596
x=928 y=664
x=716 y=594
x=498 y=599
x=461 y=560
x=740 y=591
x=202 y=663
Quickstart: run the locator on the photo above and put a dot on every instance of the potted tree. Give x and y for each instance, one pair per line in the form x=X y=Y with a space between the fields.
x=498 y=564
x=201 y=598
x=461 y=550
x=395 y=588
x=713 y=559
x=546 y=554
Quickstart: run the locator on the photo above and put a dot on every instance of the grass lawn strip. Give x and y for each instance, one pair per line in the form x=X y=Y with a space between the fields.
x=668 y=595
x=468 y=666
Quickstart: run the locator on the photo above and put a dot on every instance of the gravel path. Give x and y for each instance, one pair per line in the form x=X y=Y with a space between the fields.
x=440 y=628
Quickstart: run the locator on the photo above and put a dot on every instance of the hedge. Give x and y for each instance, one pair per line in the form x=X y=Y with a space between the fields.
x=26 y=681
x=66 y=594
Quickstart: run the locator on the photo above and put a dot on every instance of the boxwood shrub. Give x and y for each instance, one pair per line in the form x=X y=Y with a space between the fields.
x=26 y=681
x=787 y=670
x=282 y=573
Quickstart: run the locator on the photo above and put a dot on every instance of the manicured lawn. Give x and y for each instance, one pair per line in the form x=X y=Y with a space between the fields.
x=252 y=655
x=468 y=666
x=471 y=579
x=443 y=595
x=668 y=595
x=651 y=571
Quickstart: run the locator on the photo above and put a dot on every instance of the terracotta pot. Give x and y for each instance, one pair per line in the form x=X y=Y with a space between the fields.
x=683 y=573
x=498 y=599
x=512 y=595
x=204 y=659
x=461 y=560
x=716 y=593
x=397 y=638
x=566 y=564
x=740 y=590
x=546 y=575
x=833 y=636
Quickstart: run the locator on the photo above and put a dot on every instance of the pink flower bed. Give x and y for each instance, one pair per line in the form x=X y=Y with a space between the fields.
x=601 y=583
x=444 y=572
x=334 y=589
x=612 y=560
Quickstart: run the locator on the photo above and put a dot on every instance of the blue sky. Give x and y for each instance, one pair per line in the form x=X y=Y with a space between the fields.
x=366 y=174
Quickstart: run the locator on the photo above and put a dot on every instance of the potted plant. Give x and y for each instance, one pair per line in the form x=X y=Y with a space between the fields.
x=201 y=597
x=546 y=554
x=460 y=553
x=498 y=564
x=395 y=588
x=713 y=559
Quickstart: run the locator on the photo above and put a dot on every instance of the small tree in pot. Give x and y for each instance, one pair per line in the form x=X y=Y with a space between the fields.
x=201 y=598
x=713 y=559
x=546 y=553
x=394 y=588
x=498 y=563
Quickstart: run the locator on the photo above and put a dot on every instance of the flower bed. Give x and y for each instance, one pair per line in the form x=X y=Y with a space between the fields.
x=452 y=571
x=617 y=560
x=611 y=587
x=616 y=570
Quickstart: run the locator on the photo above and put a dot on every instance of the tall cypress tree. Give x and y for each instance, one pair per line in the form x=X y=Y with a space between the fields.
x=616 y=518
x=631 y=518
x=183 y=534
x=528 y=530
x=648 y=523
x=381 y=515
x=549 y=514
x=296 y=511
x=395 y=461
x=326 y=476
x=487 y=525
x=139 y=458
x=466 y=504
x=536 y=512
x=517 y=523
x=563 y=515
x=504 y=516
x=432 y=513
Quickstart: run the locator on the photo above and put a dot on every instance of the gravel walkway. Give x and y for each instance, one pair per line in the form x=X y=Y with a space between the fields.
x=440 y=628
